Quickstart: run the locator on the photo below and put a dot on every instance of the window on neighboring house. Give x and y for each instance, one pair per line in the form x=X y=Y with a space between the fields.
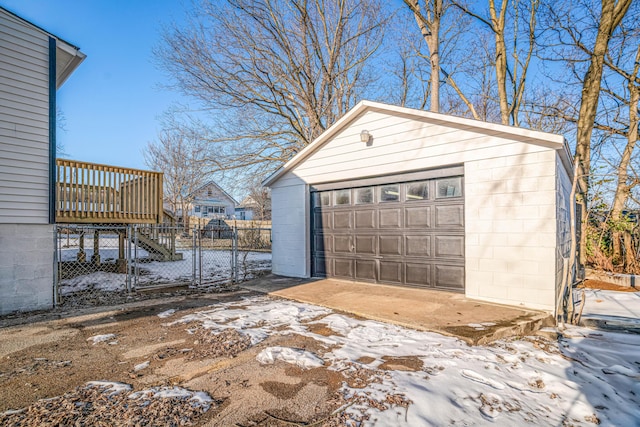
x=196 y=209
x=209 y=192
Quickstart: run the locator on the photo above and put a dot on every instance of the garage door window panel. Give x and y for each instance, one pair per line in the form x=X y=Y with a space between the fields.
x=417 y=191
x=364 y=196
x=325 y=198
x=390 y=193
x=449 y=187
x=342 y=197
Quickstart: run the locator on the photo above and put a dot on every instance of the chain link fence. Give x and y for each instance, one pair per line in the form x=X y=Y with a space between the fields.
x=98 y=265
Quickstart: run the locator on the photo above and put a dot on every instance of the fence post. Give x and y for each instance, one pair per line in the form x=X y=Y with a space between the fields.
x=234 y=255
x=56 y=267
x=136 y=270
x=128 y=259
x=199 y=258
x=194 y=247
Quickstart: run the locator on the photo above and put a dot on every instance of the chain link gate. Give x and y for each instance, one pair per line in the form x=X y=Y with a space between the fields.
x=101 y=265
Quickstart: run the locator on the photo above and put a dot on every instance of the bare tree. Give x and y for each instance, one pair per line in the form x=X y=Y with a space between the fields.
x=580 y=37
x=429 y=24
x=182 y=158
x=511 y=75
x=274 y=74
x=625 y=182
x=261 y=197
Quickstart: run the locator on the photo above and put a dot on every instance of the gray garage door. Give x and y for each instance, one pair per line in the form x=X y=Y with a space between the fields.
x=406 y=230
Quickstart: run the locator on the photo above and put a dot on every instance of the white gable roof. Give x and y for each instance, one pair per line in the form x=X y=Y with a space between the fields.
x=549 y=140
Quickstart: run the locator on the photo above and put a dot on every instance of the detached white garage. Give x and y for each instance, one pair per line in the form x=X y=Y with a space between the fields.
x=412 y=198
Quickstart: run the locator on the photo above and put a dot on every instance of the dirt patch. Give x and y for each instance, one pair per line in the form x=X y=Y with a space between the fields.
x=282 y=390
x=409 y=363
x=605 y=286
x=365 y=360
x=209 y=344
x=323 y=329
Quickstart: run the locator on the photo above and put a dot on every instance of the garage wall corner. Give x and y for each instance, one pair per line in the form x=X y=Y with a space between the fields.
x=290 y=229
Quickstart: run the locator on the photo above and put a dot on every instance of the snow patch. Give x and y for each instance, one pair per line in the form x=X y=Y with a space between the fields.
x=101 y=338
x=301 y=358
x=166 y=313
x=141 y=366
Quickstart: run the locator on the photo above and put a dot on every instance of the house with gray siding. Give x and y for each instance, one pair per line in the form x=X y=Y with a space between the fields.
x=407 y=197
x=33 y=65
x=211 y=201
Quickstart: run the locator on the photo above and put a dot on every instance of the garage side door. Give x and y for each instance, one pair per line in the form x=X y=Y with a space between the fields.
x=397 y=232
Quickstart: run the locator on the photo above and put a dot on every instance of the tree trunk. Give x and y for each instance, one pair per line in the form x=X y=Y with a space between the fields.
x=611 y=15
x=498 y=23
x=434 y=55
x=622 y=188
x=430 y=28
x=630 y=261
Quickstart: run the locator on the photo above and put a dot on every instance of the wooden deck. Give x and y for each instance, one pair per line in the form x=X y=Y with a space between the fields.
x=101 y=194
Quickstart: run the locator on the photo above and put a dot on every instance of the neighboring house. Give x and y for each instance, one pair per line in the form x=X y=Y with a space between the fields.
x=250 y=209
x=33 y=64
x=211 y=201
x=408 y=197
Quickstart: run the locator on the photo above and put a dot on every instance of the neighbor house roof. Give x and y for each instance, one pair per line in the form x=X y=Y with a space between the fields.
x=550 y=140
x=235 y=202
x=68 y=56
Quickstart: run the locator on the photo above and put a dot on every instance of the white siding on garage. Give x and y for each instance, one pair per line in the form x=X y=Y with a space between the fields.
x=510 y=198
x=24 y=123
x=510 y=229
x=563 y=219
x=290 y=231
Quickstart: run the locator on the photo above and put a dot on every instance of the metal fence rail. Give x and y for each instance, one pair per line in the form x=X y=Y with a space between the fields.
x=106 y=264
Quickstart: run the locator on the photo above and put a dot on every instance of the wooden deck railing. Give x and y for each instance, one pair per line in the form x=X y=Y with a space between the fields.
x=102 y=194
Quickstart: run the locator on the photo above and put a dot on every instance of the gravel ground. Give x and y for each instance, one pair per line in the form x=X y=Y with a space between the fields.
x=106 y=404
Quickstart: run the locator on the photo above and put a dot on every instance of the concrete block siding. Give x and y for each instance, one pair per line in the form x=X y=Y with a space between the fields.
x=26 y=267
x=510 y=207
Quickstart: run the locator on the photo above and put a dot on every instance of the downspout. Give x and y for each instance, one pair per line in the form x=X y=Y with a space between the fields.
x=52 y=130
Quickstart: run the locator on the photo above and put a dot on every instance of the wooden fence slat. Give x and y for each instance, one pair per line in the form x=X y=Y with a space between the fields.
x=89 y=192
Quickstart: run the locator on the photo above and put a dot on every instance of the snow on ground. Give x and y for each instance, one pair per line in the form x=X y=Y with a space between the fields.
x=101 y=338
x=295 y=356
x=167 y=313
x=216 y=266
x=585 y=378
x=601 y=303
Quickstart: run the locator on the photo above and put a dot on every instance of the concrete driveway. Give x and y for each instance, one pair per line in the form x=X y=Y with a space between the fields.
x=447 y=313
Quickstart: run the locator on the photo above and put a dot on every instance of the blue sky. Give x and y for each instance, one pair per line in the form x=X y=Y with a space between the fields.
x=112 y=102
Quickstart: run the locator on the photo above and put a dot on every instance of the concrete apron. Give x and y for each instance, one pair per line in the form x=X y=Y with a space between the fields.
x=446 y=313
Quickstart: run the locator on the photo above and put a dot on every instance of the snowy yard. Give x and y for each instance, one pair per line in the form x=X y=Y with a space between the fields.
x=587 y=377
x=216 y=266
x=243 y=359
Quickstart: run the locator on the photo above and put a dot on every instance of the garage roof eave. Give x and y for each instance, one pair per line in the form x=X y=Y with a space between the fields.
x=549 y=140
